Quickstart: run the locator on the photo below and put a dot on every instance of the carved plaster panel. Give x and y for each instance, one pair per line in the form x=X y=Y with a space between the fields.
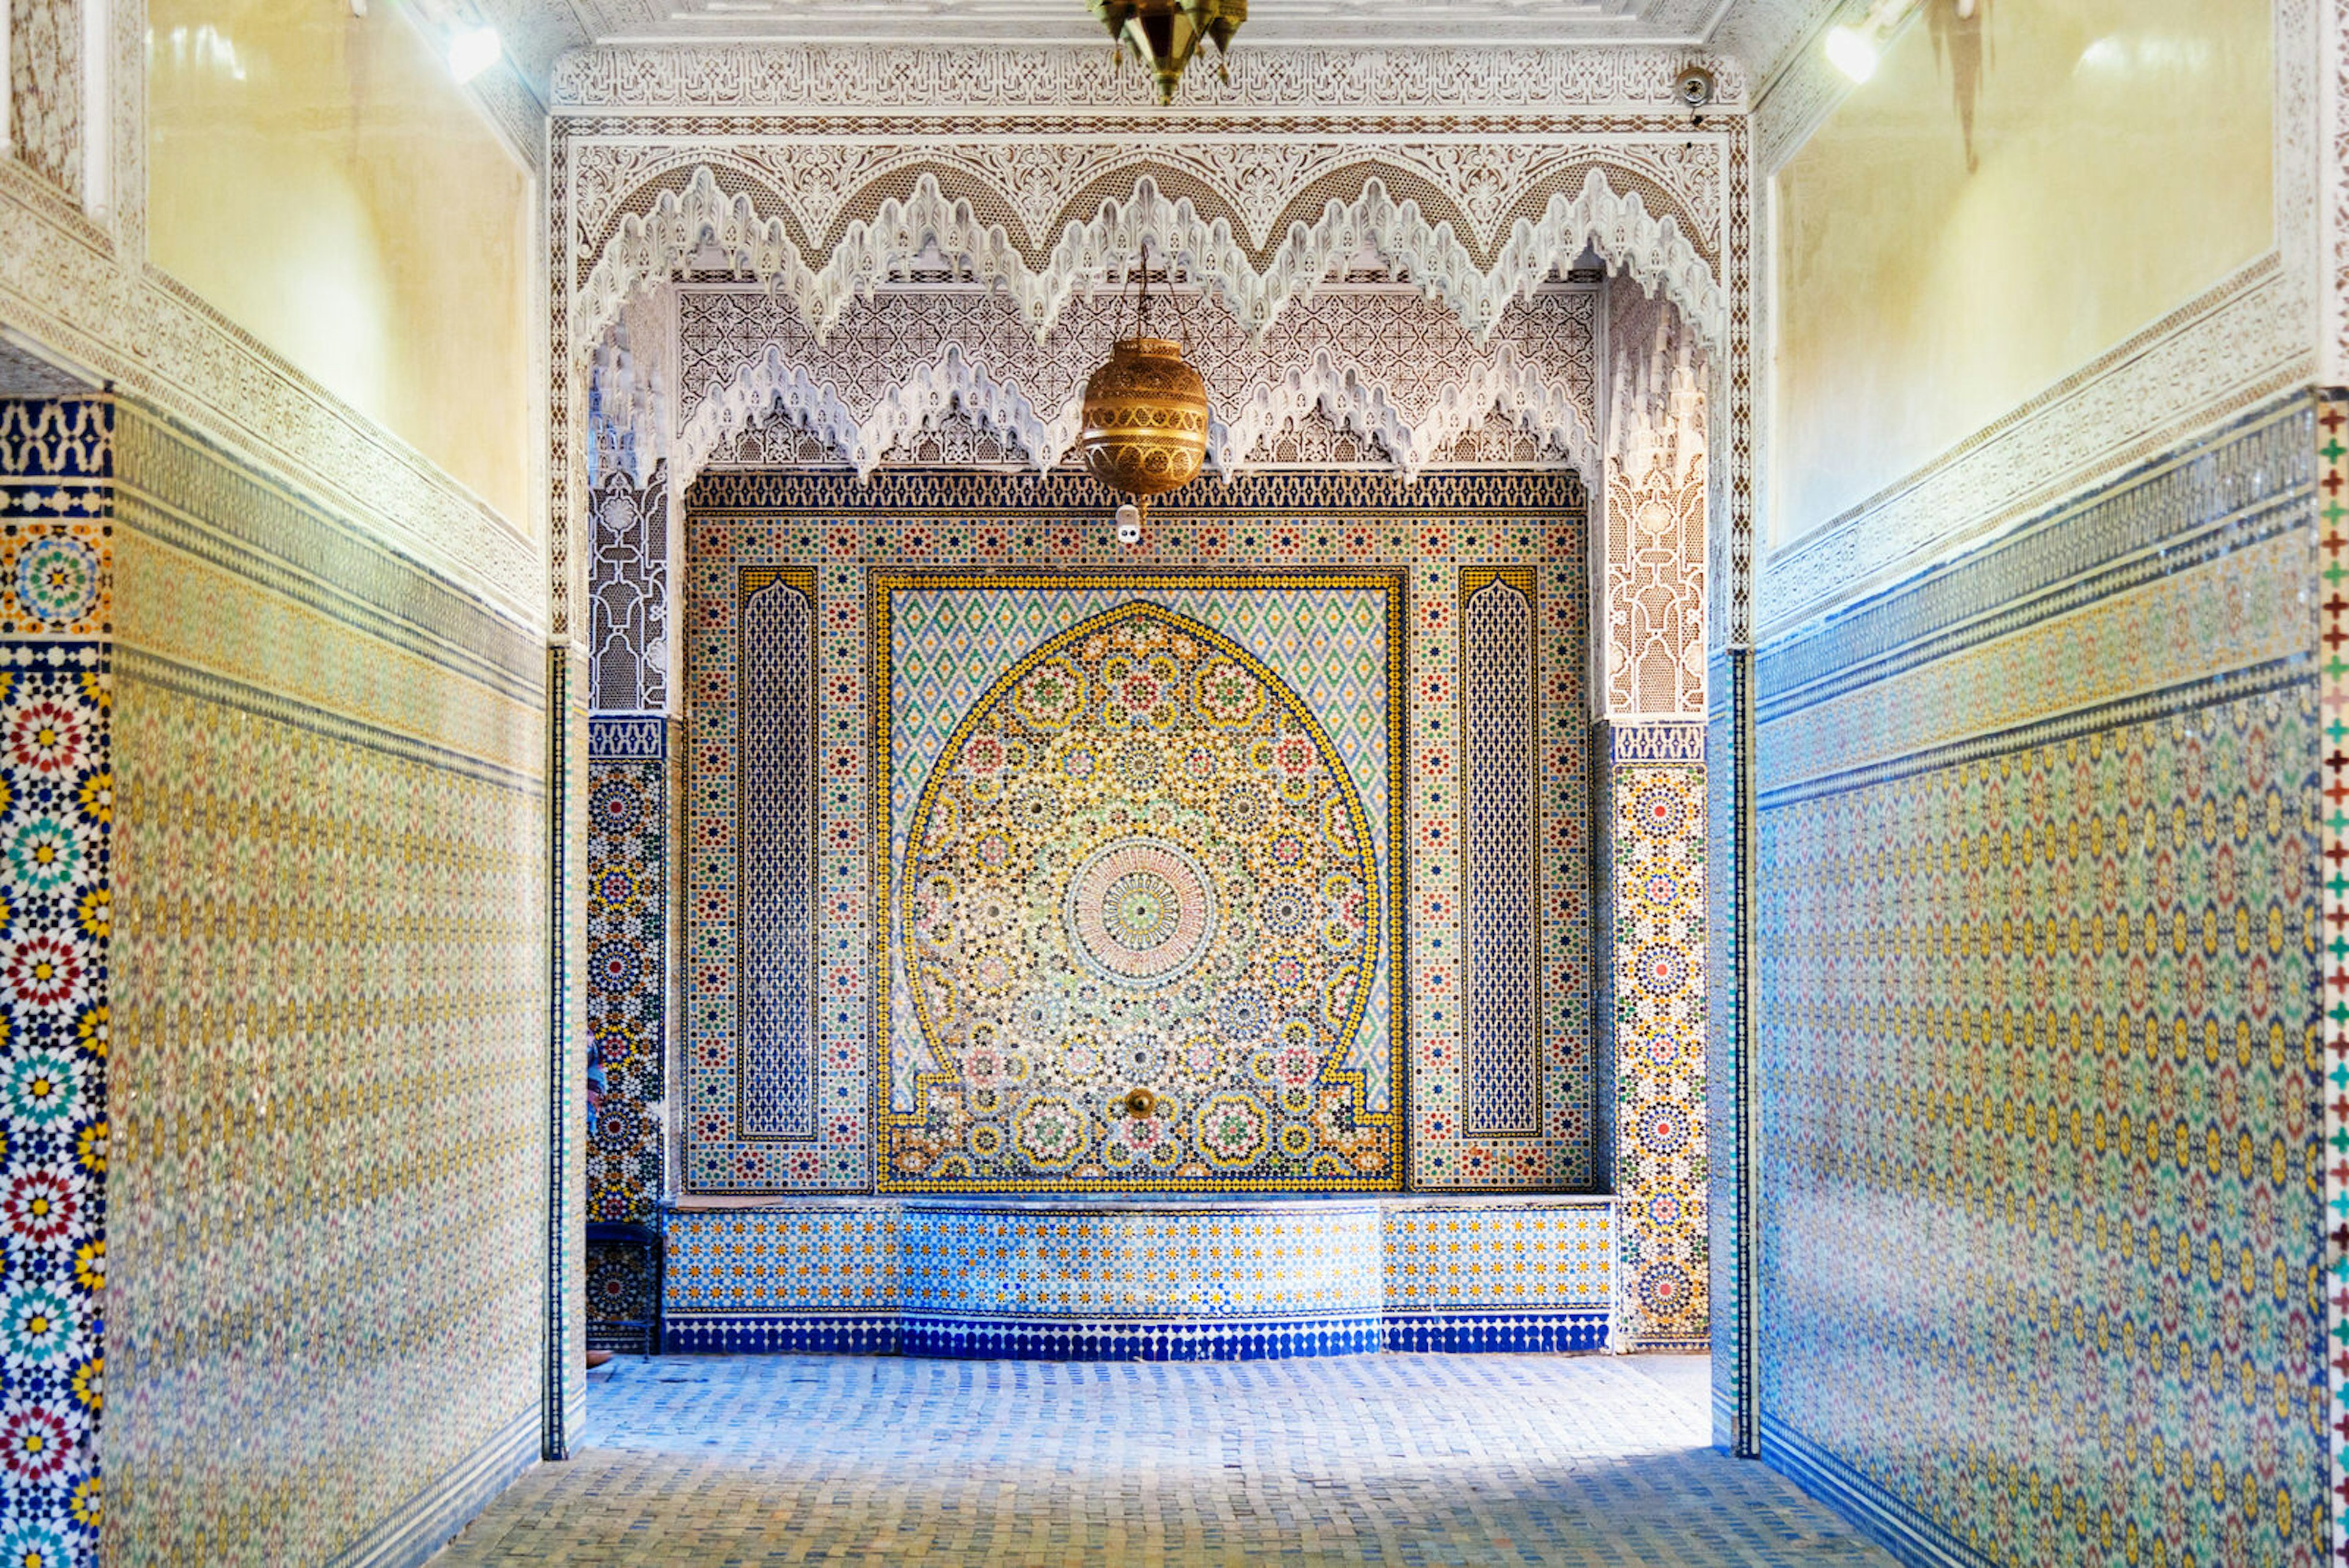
x=1258 y=220
x=1654 y=587
x=1265 y=213
x=44 y=118
x=804 y=78
x=1399 y=374
x=2334 y=99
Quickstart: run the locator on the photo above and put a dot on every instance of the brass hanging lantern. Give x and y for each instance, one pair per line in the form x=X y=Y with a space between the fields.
x=1145 y=418
x=1144 y=428
x=1165 y=34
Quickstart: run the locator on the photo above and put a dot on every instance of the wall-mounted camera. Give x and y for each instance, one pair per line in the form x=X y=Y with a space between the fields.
x=1694 y=87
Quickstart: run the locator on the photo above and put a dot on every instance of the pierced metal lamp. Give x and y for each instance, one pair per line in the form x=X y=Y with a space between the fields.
x=1165 y=34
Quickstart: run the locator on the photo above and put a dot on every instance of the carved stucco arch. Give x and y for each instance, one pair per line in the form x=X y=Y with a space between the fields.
x=774 y=386
x=654 y=241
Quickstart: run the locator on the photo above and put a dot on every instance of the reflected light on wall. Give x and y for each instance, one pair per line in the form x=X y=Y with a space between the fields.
x=472 y=51
x=1851 y=54
x=203 y=48
x=2145 y=55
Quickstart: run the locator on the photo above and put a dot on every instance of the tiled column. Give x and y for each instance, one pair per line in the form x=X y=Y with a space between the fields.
x=57 y=791
x=565 y=1375
x=2333 y=649
x=629 y=924
x=1648 y=809
x=1651 y=925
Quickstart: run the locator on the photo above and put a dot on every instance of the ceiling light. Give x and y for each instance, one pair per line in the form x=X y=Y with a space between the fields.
x=472 y=51
x=1165 y=34
x=1851 y=54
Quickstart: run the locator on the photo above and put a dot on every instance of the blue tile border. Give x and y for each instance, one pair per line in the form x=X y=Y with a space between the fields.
x=431 y=1520
x=1892 y=1524
x=626 y=737
x=779 y=1333
x=1138 y=1339
x=1657 y=740
x=1507 y=1331
x=1470 y=1332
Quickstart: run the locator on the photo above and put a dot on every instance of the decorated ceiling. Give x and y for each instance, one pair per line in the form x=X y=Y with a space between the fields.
x=1756 y=34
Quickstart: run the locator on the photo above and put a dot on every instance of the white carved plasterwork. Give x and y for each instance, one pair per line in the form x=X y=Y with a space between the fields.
x=1259 y=223
x=628 y=405
x=1656 y=479
x=2332 y=91
x=1313 y=440
x=2251 y=337
x=628 y=618
x=44 y=118
x=803 y=79
x=1383 y=364
x=823 y=174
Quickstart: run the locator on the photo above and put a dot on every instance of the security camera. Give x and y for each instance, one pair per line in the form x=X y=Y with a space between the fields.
x=1694 y=86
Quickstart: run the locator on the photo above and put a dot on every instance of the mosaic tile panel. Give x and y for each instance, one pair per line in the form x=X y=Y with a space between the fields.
x=619 y=1298
x=627 y=962
x=1532 y=1252
x=56 y=877
x=1654 y=1032
x=568 y=1058
x=1142 y=1279
x=1501 y=895
x=1727 y=1116
x=777 y=1090
x=2040 y=1055
x=328 y=988
x=910 y=520
x=1161 y=1260
x=1152 y=854
x=2331 y=435
x=56 y=832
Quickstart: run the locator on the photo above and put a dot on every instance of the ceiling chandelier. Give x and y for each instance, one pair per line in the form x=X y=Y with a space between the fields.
x=1165 y=34
x=1144 y=414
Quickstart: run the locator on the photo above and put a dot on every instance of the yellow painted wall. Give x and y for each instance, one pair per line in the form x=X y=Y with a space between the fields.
x=320 y=179
x=2123 y=154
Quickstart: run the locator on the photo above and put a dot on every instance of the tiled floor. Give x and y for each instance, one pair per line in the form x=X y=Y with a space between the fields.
x=1404 y=1459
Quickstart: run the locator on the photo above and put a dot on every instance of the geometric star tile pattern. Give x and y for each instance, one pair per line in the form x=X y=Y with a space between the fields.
x=1228 y=745
x=2331 y=435
x=1656 y=1038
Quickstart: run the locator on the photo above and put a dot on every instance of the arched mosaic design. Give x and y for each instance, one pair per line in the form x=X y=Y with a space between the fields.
x=1501 y=859
x=777 y=1088
x=1140 y=918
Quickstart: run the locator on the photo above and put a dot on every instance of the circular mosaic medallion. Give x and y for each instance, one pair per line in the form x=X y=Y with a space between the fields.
x=1140 y=911
x=58 y=578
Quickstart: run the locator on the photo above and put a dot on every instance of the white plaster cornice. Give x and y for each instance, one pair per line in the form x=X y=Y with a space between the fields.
x=799 y=79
